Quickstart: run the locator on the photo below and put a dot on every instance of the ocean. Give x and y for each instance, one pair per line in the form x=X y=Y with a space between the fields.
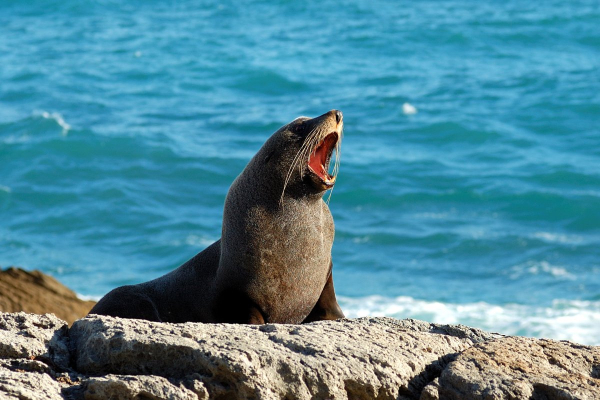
x=469 y=186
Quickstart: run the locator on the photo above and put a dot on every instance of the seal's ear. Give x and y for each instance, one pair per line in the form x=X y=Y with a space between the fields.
x=268 y=157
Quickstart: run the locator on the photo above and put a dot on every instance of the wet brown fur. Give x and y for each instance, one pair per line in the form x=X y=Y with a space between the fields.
x=273 y=261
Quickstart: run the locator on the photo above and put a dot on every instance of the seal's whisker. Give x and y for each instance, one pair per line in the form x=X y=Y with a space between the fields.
x=329 y=197
x=336 y=166
x=299 y=156
x=305 y=152
x=338 y=155
x=297 y=160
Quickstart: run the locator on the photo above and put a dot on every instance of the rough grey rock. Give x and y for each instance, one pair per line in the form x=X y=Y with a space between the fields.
x=520 y=368
x=357 y=359
x=44 y=337
x=132 y=387
x=460 y=331
x=365 y=358
x=28 y=386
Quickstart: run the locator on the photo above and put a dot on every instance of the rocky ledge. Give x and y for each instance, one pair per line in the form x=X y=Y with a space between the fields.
x=365 y=358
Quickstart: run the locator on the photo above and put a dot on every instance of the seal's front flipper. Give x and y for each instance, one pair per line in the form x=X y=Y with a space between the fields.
x=327 y=307
x=235 y=307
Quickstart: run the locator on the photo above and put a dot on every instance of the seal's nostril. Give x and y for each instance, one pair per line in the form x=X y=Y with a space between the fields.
x=339 y=116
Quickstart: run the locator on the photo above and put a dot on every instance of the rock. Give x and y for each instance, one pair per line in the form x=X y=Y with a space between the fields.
x=460 y=331
x=521 y=368
x=36 y=292
x=33 y=336
x=28 y=386
x=104 y=357
x=133 y=387
x=356 y=359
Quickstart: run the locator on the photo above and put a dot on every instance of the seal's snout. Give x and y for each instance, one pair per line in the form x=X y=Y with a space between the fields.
x=337 y=114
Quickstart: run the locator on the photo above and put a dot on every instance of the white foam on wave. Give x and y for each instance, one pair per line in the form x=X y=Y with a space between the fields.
x=578 y=321
x=5 y=189
x=194 y=240
x=540 y=268
x=434 y=215
x=87 y=298
x=199 y=241
x=57 y=118
x=409 y=109
x=558 y=238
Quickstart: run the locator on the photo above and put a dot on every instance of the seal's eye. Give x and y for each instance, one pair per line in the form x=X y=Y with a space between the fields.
x=297 y=128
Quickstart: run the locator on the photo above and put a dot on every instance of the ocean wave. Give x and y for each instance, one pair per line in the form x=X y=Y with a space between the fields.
x=88 y=298
x=574 y=320
x=198 y=241
x=55 y=117
x=540 y=268
x=558 y=238
x=31 y=128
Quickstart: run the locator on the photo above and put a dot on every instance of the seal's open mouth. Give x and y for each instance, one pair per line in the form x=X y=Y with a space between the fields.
x=318 y=162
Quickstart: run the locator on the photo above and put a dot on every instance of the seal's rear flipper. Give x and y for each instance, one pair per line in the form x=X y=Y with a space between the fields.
x=327 y=307
x=127 y=302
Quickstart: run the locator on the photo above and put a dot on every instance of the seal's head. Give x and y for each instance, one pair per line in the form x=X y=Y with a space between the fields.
x=303 y=150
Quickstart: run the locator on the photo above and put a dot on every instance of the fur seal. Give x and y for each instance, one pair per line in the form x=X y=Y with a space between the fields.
x=273 y=261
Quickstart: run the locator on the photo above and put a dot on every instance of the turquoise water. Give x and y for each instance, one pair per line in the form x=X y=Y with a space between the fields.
x=469 y=189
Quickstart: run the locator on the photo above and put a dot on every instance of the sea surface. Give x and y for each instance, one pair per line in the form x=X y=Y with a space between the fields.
x=469 y=187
